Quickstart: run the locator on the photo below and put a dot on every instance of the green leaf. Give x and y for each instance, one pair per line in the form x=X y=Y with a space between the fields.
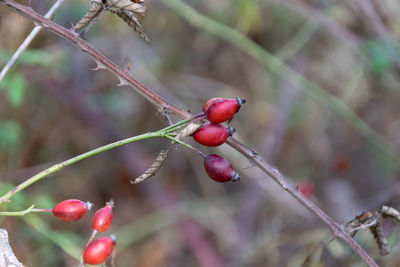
x=379 y=55
x=10 y=134
x=15 y=89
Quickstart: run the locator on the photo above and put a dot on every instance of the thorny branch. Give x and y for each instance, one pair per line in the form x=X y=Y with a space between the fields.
x=105 y=63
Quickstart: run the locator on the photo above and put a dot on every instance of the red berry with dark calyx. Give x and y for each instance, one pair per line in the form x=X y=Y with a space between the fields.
x=210 y=134
x=219 y=169
x=210 y=102
x=103 y=217
x=223 y=110
x=71 y=209
x=98 y=250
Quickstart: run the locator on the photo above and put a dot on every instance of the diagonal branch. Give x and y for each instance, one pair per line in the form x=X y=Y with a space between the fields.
x=160 y=102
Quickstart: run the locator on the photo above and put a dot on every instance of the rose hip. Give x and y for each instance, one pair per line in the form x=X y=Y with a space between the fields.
x=210 y=102
x=223 y=110
x=211 y=134
x=219 y=169
x=103 y=217
x=71 y=209
x=98 y=250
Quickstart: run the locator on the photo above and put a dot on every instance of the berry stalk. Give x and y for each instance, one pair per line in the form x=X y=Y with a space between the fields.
x=23 y=212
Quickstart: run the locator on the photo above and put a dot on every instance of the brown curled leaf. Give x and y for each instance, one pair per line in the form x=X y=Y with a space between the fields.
x=154 y=168
x=133 y=22
x=392 y=213
x=162 y=156
x=93 y=12
x=127 y=5
x=380 y=238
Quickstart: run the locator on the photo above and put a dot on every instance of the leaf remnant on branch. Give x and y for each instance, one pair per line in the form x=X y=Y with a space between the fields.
x=372 y=221
x=125 y=9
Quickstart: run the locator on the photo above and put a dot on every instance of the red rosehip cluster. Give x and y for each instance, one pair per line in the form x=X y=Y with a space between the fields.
x=97 y=251
x=212 y=133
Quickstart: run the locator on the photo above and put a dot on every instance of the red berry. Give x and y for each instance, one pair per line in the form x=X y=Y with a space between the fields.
x=98 y=250
x=223 y=110
x=103 y=217
x=306 y=188
x=210 y=134
x=341 y=164
x=219 y=169
x=71 y=209
x=210 y=102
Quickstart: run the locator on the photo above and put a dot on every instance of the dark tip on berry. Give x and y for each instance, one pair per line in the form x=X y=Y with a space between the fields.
x=240 y=102
x=111 y=203
x=231 y=130
x=113 y=238
x=235 y=177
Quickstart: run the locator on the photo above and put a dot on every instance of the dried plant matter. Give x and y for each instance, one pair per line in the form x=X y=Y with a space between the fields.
x=93 y=12
x=7 y=257
x=125 y=9
x=372 y=221
x=162 y=156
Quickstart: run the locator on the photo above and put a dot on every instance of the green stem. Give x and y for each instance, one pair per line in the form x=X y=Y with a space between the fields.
x=182 y=123
x=163 y=133
x=186 y=145
x=23 y=212
x=73 y=160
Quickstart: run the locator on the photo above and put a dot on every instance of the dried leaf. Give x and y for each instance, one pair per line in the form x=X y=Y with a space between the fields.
x=127 y=5
x=392 y=213
x=380 y=238
x=93 y=12
x=154 y=168
x=133 y=22
x=162 y=156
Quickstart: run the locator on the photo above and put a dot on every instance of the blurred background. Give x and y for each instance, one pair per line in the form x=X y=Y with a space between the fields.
x=53 y=107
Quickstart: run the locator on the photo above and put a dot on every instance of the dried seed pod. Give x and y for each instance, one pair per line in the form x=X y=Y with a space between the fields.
x=103 y=217
x=98 y=250
x=71 y=209
x=219 y=169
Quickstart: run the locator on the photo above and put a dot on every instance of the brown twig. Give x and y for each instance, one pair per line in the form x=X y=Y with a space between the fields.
x=161 y=102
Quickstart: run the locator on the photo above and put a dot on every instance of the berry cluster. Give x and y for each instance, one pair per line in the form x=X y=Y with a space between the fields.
x=213 y=133
x=96 y=251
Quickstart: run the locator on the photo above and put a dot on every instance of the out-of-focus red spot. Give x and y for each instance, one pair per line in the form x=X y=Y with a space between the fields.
x=341 y=164
x=306 y=188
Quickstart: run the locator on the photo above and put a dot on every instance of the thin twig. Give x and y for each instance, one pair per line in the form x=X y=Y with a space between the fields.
x=161 y=102
x=27 y=41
